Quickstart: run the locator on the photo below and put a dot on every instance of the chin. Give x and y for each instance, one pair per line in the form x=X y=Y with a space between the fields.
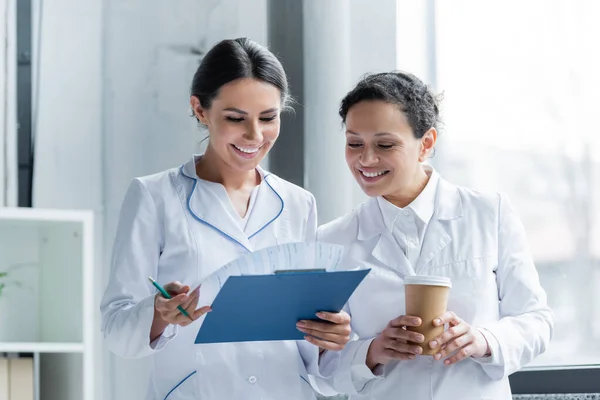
x=248 y=165
x=371 y=191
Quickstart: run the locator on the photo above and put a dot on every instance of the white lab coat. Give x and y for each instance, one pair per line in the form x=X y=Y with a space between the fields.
x=478 y=241
x=174 y=229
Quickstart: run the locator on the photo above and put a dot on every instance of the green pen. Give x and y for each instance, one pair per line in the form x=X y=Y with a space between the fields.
x=168 y=296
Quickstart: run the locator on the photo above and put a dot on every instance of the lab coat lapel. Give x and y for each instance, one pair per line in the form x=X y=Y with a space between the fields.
x=267 y=207
x=208 y=209
x=448 y=207
x=386 y=249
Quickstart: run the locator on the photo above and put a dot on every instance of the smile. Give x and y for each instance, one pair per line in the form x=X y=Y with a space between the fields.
x=373 y=174
x=247 y=150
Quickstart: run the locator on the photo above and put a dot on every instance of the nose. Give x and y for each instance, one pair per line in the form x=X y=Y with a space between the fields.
x=368 y=157
x=254 y=133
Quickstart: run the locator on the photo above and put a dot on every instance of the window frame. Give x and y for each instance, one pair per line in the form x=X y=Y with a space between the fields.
x=559 y=380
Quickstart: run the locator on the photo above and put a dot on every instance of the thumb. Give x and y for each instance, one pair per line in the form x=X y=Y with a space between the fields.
x=175 y=288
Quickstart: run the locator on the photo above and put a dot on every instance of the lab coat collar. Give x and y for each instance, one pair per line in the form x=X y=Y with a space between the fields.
x=448 y=206
x=423 y=206
x=205 y=209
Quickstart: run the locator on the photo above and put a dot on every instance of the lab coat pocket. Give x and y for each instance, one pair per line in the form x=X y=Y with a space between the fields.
x=185 y=389
x=471 y=276
x=473 y=286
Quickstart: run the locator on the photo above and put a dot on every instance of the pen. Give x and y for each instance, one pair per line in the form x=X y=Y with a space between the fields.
x=168 y=296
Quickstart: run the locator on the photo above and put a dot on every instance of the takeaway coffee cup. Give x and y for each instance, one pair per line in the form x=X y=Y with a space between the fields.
x=426 y=298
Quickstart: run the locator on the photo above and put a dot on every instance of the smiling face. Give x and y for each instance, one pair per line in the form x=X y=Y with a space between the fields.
x=243 y=122
x=382 y=152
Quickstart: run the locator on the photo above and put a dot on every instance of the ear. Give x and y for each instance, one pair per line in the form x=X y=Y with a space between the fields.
x=427 y=144
x=198 y=110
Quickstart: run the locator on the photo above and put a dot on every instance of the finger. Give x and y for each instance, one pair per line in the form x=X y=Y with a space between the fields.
x=463 y=353
x=182 y=320
x=201 y=311
x=167 y=305
x=175 y=313
x=401 y=347
x=329 y=337
x=454 y=345
x=175 y=288
x=403 y=334
x=447 y=318
x=173 y=316
x=395 y=355
x=337 y=318
x=172 y=304
x=192 y=302
x=324 y=327
x=324 y=344
x=405 y=320
x=449 y=334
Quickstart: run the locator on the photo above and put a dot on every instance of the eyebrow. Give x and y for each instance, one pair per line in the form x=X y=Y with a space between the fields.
x=377 y=134
x=237 y=110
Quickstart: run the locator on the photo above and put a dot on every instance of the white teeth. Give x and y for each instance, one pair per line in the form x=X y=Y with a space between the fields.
x=372 y=174
x=244 y=150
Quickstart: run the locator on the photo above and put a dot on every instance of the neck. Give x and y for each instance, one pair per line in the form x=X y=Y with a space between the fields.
x=408 y=194
x=212 y=168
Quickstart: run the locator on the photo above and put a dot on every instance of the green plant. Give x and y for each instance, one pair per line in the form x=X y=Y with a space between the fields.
x=2 y=284
x=5 y=275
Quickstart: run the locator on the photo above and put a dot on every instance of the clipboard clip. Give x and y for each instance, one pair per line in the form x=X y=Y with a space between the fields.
x=298 y=271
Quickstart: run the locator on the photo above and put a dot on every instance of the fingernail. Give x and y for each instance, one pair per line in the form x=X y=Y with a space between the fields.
x=437 y=321
x=320 y=315
x=433 y=344
x=419 y=350
x=301 y=324
x=416 y=321
x=437 y=356
x=447 y=362
x=412 y=357
x=420 y=339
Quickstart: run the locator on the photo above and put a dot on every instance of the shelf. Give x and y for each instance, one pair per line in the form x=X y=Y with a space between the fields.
x=48 y=256
x=41 y=347
x=40 y=215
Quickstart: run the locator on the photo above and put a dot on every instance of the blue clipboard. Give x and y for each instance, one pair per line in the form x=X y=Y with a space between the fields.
x=251 y=308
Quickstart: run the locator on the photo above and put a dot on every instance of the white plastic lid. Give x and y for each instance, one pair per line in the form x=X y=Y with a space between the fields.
x=427 y=280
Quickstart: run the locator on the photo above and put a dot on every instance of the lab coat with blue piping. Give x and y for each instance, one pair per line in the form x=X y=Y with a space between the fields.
x=174 y=229
x=477 y=240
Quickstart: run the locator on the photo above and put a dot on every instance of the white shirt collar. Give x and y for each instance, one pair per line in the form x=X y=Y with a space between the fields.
x=423 y=206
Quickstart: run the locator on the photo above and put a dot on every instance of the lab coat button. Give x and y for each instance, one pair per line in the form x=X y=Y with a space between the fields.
x=252 y=379
x=406 y=213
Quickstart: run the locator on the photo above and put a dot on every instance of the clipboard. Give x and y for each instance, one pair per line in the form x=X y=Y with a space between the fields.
x=251 y=308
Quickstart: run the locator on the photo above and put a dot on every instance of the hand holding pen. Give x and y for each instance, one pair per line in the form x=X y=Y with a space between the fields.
x=176 y=305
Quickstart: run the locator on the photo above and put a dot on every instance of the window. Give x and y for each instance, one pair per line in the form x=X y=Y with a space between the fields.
x=521 y=90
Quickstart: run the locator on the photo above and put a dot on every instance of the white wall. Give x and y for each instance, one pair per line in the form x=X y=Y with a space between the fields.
x=68 y=142
x=8 y=112
x=341 y=44
x=374 y=48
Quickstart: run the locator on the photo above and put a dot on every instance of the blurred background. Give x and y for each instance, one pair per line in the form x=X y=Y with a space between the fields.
x=94 y=93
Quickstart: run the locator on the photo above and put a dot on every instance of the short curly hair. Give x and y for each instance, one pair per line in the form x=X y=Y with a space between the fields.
x=414 y=98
